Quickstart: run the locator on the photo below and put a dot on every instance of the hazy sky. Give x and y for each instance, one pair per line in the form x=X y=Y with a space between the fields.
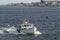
x=2 y=2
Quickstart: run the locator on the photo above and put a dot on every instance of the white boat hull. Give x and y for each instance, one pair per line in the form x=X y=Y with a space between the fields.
x=13 y=30
x=37 y=33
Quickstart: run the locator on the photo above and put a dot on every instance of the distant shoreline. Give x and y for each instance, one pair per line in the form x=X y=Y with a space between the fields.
x=34 y=4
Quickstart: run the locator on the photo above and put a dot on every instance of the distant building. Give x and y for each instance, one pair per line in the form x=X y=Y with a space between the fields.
x=50 y=0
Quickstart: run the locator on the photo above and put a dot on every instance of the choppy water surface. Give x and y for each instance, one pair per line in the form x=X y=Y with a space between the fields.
x=49 y=26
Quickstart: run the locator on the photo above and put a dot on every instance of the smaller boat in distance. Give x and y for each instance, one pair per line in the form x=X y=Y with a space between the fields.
x=24 y=28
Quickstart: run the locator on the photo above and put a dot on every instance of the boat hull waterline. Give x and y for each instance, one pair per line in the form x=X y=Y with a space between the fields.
x=7 y=31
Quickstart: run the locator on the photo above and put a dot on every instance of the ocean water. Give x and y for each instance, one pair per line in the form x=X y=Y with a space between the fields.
x=46 y=19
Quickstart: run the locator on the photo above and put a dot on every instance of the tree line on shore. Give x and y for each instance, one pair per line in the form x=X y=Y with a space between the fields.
x=36 y=4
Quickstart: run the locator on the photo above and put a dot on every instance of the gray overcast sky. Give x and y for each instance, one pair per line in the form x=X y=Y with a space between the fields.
x=2 y=2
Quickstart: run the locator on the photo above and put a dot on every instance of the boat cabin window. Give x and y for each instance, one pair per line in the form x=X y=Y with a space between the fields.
x=26 y=25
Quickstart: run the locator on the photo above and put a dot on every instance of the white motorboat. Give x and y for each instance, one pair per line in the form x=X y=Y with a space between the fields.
x=24 y=28
x=28 y=28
